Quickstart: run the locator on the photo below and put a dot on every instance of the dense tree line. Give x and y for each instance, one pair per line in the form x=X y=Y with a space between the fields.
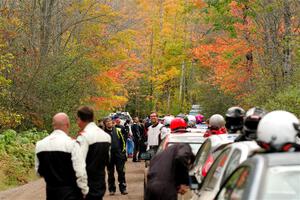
x=142 y=55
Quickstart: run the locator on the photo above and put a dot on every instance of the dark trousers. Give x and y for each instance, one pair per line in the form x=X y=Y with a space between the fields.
x=137 y=150
x=154 y=148
x=63 y=193
x=118 y=162
x=90 y=197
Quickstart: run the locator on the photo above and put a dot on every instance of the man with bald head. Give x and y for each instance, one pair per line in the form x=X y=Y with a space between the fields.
x=60 y=162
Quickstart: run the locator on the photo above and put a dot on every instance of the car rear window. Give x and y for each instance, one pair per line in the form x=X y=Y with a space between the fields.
x=194 y=146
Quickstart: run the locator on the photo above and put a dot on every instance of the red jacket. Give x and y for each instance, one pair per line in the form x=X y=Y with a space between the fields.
x=215 y=132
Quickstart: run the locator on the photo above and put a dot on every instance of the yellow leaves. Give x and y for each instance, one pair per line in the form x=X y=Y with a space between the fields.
x=164 y=76
x=9 y=119
x=109 y=103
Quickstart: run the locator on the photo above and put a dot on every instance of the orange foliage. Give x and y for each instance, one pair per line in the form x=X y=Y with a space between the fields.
x=225 y=56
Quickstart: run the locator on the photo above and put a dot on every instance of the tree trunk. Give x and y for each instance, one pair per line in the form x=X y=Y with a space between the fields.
x=287 y=67
x=46 y=16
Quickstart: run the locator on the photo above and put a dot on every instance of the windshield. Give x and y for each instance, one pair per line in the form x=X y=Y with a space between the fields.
x=282 y=182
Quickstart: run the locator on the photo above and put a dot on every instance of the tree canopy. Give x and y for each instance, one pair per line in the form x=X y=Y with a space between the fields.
x=141 y=55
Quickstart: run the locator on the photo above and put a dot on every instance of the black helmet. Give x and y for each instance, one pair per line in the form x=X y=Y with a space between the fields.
x=252 y=118
x=234 y=119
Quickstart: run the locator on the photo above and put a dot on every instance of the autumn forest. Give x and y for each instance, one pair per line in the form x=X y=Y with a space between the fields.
x=143 y=55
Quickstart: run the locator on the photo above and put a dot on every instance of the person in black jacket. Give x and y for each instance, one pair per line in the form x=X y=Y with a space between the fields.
x=118 y=157
x=124 y=130
x=95 y=144
x=168 y=173
x=60 y=162
x=137 y=133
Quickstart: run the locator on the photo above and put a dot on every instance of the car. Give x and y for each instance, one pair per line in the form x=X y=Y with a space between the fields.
x=122 y=115
x=195 y=110
x=226 y=162
x=206 y=154
x=199 y=130
x=196 y=106
x=202 y=126
x=264 y=176
x=195 y=140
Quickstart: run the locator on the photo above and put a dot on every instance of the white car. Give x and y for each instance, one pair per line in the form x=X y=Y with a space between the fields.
x=227 y=161
x=265 y=176
x=206 y=155
x=122 y=115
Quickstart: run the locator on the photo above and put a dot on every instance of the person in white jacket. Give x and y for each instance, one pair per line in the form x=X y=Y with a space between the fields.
x=156 y=132
x=60 y=162
x=95 y=145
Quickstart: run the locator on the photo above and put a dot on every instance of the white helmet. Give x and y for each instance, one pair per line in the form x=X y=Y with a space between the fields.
x=191 y=118
x=216 y=121
x=278 y=128
x=167 y=120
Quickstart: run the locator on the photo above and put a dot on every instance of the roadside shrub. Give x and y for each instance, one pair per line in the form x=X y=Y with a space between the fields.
x=288 y=100
x=17 y=154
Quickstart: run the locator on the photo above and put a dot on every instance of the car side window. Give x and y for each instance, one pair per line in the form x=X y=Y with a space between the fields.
x=215 y=171
x=233 y=163
x=203 y=153
x=235 y=186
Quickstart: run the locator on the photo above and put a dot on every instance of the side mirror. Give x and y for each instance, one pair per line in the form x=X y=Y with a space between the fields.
x=194 y=185
x=146 y=156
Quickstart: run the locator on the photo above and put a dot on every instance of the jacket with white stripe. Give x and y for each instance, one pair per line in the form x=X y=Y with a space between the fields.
x=59 y=160
x=95 y=146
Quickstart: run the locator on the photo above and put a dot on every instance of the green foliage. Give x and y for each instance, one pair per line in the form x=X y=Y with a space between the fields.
x=213 y=100
x=17 y=155
x=288 y=100
x=8 y=118
x=220 y=16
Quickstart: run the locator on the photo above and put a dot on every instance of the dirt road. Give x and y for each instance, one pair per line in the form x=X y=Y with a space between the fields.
x=36 y=190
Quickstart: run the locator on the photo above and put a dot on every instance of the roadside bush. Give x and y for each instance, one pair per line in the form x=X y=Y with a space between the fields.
x=288 y=100
x=17 y=155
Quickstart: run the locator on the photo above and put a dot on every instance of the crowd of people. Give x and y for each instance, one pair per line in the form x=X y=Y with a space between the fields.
x=76 y=168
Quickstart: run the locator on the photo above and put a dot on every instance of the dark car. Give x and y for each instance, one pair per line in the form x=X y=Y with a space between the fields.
x=272 y=176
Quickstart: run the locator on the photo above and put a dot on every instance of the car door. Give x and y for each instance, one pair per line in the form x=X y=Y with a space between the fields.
x=215 y=172
x=233 y=163
x=236 y=185
x=201 y=158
